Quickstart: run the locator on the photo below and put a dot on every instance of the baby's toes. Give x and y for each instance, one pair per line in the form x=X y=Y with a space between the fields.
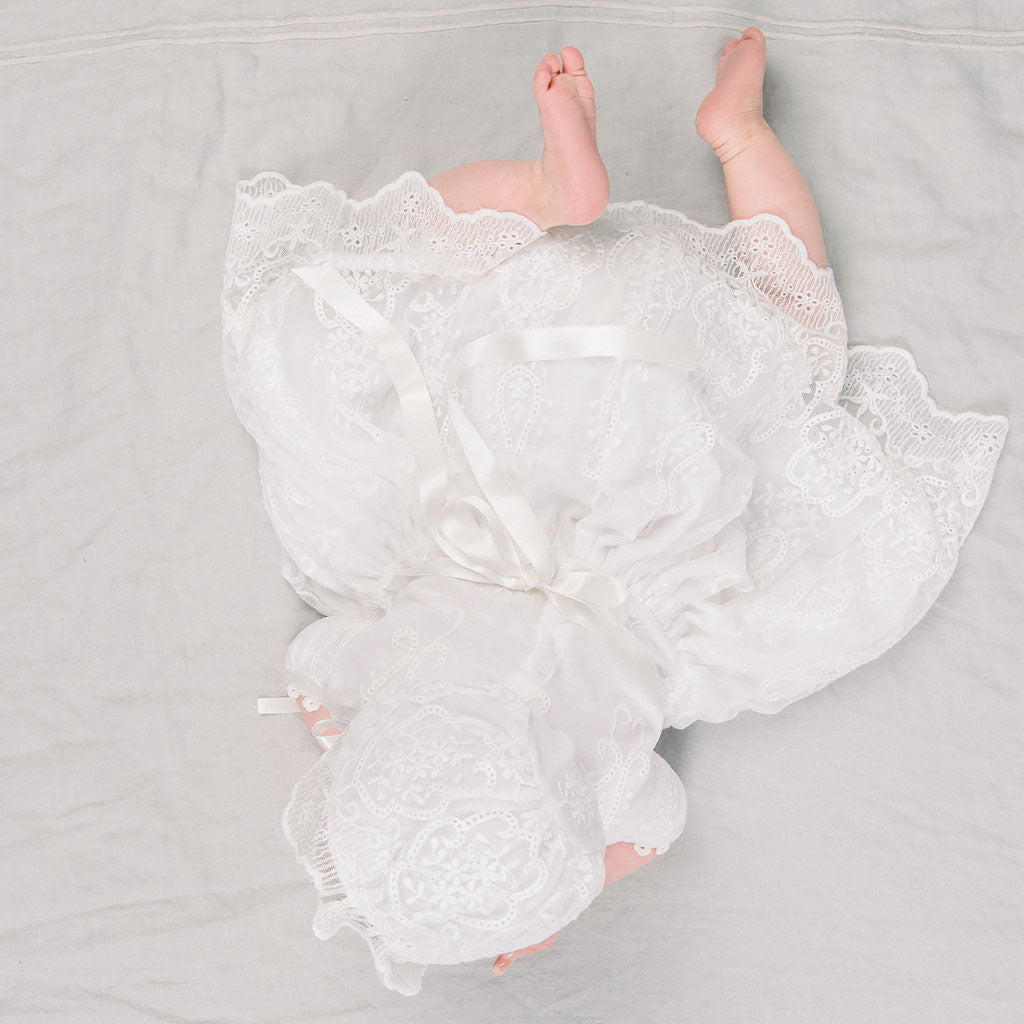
x=572 y=60
x=543 y=73
x=729 y=47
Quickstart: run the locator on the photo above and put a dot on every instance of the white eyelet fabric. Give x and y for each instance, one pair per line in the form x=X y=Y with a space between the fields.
x=455 y=818
x=779 y=516
x=451 y=824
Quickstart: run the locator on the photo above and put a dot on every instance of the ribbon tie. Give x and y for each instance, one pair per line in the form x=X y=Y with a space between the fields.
x=490 y=551
x=497 y=538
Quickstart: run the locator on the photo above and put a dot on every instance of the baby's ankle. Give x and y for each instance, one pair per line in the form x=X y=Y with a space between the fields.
x=539 y=206
x=740 y=135
x=575 y=201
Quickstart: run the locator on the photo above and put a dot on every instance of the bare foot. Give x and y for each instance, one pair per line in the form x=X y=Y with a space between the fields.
x=573 y=181
x=312 y=717
x=732 y=114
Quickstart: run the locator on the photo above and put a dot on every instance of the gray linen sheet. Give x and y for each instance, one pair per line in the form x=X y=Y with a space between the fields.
x=856 y=858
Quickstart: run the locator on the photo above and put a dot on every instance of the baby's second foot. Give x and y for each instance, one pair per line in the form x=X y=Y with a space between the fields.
x=732 y=114
x=312 y=717
x=572 y=180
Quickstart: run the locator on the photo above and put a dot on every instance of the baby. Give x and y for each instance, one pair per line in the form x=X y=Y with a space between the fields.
x=568 y=185
x=557 y=473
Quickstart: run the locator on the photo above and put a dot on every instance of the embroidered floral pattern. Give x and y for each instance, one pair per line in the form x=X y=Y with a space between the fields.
x=426 y=828
x=780 y=515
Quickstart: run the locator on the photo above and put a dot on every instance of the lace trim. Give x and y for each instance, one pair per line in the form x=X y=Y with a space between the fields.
x=277 y=225
x=760 y=252
x=304 y=823
x=887 y=392
x=644 y=851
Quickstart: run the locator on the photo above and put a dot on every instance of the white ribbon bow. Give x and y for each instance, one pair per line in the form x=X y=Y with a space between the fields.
x=490 y=551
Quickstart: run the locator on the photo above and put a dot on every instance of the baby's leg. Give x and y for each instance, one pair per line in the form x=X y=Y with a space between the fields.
x=760 y=177
x=568 y=184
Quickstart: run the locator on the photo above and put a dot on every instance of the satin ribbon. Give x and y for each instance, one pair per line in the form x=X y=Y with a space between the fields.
x=489 y=552
x=305 y=689
x=503 y=543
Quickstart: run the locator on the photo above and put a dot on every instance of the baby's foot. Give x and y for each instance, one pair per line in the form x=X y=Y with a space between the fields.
x=312 y=717
x=732 y=114
x=572 y=180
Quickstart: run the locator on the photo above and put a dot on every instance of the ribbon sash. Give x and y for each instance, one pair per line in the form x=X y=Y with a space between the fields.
x=490 y=552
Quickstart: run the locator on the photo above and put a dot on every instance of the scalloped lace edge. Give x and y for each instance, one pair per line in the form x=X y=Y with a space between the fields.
x=628 y=206
x=635 y=205
x=251 y=191
x=937 y=411
x=287 y=186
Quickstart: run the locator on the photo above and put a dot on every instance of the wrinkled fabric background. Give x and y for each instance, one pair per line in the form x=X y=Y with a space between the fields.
x=857 y=857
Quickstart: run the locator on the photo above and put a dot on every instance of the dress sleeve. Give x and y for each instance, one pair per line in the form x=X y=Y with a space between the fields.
x=312 y=664
x=655 y=815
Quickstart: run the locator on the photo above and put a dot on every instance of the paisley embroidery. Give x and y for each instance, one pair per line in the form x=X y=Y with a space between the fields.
x=781 y=515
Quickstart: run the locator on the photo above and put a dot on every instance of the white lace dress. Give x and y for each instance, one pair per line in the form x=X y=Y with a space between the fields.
x=779 y=515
